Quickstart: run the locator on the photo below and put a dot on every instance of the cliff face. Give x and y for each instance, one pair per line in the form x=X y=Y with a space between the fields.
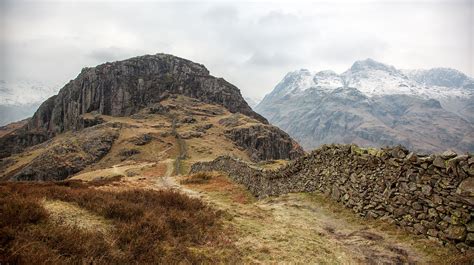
x=121 y=89
x=68 y=156
x=265 y=142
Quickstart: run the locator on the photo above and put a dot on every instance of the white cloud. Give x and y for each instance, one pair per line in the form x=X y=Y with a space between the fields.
x=251 y=44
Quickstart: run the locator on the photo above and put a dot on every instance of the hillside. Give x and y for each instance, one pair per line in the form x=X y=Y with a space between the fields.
x=177 y=126
x=373 y=104
x=177 y=168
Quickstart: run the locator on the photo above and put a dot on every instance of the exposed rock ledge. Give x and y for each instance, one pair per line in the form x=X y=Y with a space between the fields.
x=70 y=155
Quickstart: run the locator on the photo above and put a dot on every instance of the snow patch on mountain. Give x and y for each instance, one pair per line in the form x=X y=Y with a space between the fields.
x=328 y=80
x=377 y=79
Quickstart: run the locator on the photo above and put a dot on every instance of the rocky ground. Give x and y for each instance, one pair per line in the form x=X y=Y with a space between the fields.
x=179 y=126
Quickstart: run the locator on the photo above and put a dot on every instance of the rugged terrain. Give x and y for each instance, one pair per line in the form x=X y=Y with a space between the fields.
x=112 y=168
x=178 y=126
x=373 y=104
x=121 y=89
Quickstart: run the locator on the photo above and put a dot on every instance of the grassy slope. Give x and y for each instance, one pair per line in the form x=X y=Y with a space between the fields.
x=295 y=228
x=74 y=222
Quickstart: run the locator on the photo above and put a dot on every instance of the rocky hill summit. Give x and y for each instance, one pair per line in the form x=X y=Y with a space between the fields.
x=123 y=88
x=146 y=109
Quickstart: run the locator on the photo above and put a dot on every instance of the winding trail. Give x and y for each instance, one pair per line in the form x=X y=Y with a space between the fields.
x=182 y=150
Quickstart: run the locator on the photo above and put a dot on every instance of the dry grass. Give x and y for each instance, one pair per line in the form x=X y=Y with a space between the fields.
x=198 y=178
x=145 y=226
x=220 y=185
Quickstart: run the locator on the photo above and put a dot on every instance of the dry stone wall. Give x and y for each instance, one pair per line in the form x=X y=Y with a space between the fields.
x=431 y=195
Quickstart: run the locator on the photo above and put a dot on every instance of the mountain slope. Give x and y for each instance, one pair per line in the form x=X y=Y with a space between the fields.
x=374 y=104
x=121 y=89
x=145 y=109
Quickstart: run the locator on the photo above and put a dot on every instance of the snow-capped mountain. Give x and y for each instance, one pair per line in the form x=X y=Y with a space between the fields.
x=19 y=99
x=377 y=79
x=375 y=104
x=252 y=101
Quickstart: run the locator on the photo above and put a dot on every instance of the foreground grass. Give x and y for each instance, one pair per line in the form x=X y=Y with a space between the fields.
x=146 y=227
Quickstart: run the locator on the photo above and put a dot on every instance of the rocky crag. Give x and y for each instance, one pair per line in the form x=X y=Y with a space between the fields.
x=121 y=89
x=428 y=195
x=261 y=141
x=180 y=128
x=70 y=155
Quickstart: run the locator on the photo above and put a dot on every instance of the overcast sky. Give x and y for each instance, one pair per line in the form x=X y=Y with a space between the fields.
x=251 y=44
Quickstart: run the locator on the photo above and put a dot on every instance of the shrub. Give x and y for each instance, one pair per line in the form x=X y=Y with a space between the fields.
x=148 y=226
x=198 y=178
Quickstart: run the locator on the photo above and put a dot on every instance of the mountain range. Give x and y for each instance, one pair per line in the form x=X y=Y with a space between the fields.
x=375 y=104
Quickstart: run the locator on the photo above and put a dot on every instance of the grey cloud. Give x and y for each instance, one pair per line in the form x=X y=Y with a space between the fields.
x=276 y=59
x=250 y=44
x=112 y=53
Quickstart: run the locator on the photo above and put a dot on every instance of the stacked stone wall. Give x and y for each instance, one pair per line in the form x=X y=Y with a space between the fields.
x=431 y=195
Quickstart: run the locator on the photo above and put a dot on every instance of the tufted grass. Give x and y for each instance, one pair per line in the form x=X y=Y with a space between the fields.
x=143 y=226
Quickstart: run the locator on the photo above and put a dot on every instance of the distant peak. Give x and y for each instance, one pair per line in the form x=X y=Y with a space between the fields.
x=326 y=73
x=298 y=74
x=371 y=64
x=302 y=71
x=441 y=76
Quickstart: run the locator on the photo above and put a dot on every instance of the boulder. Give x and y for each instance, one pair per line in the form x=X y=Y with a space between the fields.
x=448 y=155
x=466 y=187
x=439 y=162
x=142 y=139
x=456 y=232
x=470 y=239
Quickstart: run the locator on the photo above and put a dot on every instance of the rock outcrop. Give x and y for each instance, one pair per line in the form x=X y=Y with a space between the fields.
x=429 y=195
x=264 y=142
x=70 y=155
x=260 y=141
x=121 y=89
